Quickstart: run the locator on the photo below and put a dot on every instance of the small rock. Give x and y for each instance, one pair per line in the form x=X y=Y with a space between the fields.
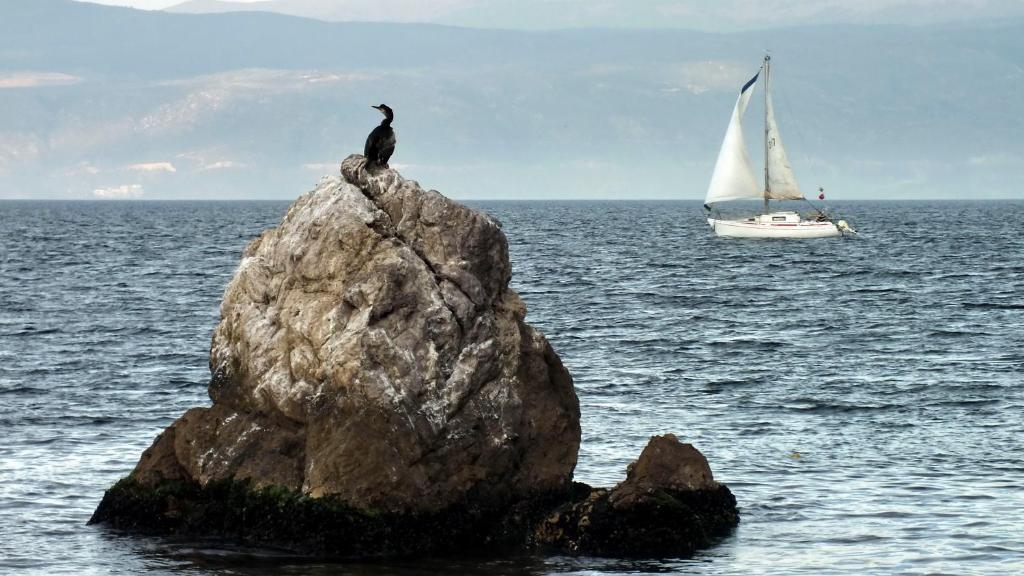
x=665 y=464
x=668 y=506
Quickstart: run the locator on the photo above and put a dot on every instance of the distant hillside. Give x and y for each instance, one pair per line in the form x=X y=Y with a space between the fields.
x=433 y=11
x=152 y=104
x=720 y=15
x=221 y=6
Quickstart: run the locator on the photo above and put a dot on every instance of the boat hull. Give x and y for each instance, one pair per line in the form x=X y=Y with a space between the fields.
x=746 y=229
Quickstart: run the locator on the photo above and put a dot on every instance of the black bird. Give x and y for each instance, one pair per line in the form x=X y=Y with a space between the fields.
x=380 y=144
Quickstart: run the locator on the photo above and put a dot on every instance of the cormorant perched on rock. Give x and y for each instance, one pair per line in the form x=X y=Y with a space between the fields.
x=380 y=144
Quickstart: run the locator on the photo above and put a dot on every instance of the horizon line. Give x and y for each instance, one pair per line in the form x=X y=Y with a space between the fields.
x=502 y=199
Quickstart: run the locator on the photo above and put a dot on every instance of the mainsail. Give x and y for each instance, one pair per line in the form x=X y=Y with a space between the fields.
x=733 y=178
x=781 y=180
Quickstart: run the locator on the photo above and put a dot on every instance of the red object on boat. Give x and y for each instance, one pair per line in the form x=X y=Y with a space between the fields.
x=821 y=196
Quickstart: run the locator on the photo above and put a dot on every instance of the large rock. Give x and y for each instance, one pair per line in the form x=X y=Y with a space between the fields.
x=370 y=348
x=376 y=392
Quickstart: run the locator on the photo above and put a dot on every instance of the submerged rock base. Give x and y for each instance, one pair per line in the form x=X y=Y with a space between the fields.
x=669 y=523
x=650 y=514
x=326 y=526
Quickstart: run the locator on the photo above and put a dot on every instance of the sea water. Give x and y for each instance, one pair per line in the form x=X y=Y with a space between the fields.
x=862 y=397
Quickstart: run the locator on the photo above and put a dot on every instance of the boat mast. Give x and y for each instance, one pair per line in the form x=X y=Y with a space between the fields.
x=767 y=189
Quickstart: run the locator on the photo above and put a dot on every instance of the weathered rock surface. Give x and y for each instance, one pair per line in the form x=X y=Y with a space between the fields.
x=371 y=348
x=376 y=391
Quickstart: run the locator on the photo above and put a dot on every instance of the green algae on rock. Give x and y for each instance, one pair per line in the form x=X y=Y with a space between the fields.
x=323 y=526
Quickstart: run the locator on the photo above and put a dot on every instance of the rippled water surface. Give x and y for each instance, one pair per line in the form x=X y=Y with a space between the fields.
x=862 y=397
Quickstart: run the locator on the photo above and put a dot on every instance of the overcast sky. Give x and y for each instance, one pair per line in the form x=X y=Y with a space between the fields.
x=713 y=15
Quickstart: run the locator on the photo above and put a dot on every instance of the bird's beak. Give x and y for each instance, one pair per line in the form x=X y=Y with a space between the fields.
x=375 y=107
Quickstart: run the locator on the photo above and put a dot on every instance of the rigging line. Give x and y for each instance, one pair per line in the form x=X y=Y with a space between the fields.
x=791 y=120
x=822 y=210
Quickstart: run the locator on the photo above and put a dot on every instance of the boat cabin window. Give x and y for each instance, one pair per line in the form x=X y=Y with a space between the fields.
x=778 y=218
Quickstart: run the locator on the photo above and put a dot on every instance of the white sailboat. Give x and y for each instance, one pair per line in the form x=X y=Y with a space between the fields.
x=733 y=179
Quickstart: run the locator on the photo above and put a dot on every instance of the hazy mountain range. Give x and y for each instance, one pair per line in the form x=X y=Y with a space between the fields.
x=717 y=15
x=99 y=101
